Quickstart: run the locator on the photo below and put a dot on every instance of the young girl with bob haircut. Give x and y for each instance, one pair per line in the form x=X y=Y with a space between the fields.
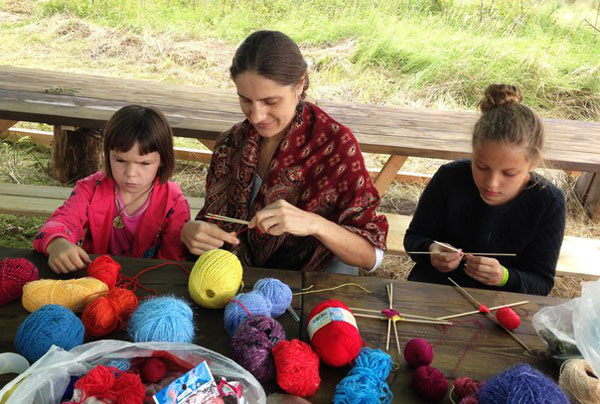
x=291 y=170
x=493 y=203
x=130 y=209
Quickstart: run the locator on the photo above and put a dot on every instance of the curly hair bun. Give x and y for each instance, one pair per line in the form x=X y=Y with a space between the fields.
x=497 y=95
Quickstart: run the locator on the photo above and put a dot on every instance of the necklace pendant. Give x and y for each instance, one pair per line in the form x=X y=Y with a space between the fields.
x=118 y=222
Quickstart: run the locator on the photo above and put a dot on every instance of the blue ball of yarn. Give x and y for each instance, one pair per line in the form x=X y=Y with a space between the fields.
x=121 y=364
x=164 y=319
x=519 y=385
x=49 y=325
x=277 y=292
x=365 y=382
x=235 y=311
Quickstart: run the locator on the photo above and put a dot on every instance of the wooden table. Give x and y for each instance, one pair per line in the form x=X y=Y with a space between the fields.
x=210 y=332
x=491 y=350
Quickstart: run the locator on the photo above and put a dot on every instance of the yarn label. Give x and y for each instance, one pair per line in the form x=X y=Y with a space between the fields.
x=196 y=386
x=327 y=316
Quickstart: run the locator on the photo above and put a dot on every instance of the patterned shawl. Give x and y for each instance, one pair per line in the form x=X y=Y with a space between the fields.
x=317 y=167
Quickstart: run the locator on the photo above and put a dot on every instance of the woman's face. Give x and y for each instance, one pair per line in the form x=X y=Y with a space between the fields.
x=268 y=105
x=500 y=171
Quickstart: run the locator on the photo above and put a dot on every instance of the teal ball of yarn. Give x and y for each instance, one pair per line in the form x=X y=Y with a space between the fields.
x=243 y=306
x=366 y=381
x=49 y=325
x=163 y=319
x=277 y=292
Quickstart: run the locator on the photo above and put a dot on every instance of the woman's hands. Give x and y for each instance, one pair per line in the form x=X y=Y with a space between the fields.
x=283 y=217
x=200 y=237
x=484 y=269
x=446 y=262
x=65 y=257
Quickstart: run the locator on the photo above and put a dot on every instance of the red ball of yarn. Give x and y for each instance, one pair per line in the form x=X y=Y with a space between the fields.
x=111 y=384
x=153 y=370
x=430 y=383
x=418 y=352
x=105 y=269
x=296 y=367
x=508 y=318
x=129 y=389
x=337 y=342
x=106 y=314
x=465 y=386
x=469 y=400
x=14 y=274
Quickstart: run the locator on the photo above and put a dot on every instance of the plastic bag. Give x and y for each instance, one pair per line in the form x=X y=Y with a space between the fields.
x=46 y=380
x=572 y=329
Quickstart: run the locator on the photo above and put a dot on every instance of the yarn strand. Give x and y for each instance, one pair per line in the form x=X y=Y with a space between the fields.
x=306 y=291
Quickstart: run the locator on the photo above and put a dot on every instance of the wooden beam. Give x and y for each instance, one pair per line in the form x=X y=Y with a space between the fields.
x=388 y=172
x=5 y=125
x=587 y=189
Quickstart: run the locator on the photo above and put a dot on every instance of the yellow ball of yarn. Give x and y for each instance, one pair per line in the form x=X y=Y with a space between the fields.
x=73 y=294
x=216 y=277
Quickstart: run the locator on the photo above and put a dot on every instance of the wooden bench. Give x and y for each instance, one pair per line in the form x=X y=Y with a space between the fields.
x=577 y=257
x=88 y=101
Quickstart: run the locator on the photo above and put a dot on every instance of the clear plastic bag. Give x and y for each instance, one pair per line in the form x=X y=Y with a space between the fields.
x=572 y=329
x=46 y=380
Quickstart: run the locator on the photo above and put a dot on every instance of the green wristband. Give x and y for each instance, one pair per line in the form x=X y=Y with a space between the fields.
x=505 y=277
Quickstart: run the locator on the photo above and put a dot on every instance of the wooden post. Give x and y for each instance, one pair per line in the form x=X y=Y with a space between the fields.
x=75 y=153
x=587 y=189
x=388 y=172
x=6 y=125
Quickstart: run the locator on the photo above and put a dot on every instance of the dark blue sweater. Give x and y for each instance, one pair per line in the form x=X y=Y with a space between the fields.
x=452 y=211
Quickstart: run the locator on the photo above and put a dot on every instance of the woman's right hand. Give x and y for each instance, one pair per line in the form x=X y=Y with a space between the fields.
x=200 y=237
x=446 y=262
x=65 y=257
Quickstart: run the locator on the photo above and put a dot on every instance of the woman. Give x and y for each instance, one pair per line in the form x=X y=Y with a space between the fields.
x=296 y=174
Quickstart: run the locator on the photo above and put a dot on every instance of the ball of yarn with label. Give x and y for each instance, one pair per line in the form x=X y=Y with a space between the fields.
x=521 y=384
x=153 y=370
x=508 y=318
x=163 y=319
x=429 y=383
x=333 y=333
x=14 y=274
x=418 y=352
x=296 y=367
x=47 y=326
x=215 y=278
x=105 y=269
x=73 y=294
x=366 y=381
x=577 y=379
x=243 y=306
x=108 y=313
x=252 y=346
x=277 y=292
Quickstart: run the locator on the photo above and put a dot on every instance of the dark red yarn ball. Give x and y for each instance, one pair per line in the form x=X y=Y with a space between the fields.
x=105 y=269
x=469 y=400
x=418 y=352
x=14 y=274
x=465 y=386
x=153 y=370
x=430 y=383
x=508 y=318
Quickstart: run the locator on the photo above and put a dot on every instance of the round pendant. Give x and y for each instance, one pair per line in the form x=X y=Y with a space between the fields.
x=118 y=222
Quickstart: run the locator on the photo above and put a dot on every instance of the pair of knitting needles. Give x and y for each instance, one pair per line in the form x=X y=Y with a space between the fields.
x=453 y=249
x=222 y=218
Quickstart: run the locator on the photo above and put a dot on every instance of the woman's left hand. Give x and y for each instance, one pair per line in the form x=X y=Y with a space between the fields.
x=283 y=217
x=484 y=269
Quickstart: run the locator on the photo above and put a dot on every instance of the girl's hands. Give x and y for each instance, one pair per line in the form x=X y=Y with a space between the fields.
x=65 y=257
x=484 y=269
x=446 y=262
x=200 y=237
x=283 y=217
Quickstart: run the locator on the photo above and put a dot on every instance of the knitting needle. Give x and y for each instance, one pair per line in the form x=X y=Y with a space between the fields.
x=394 y=322
x=488 y=315
x=467 y=313
x=469 y=253
x=387 y=343
x=293 y=314
x=226 y=219
x=402 y=314
x=406 y=320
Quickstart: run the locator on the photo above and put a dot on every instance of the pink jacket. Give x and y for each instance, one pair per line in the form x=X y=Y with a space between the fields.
x=88 y=215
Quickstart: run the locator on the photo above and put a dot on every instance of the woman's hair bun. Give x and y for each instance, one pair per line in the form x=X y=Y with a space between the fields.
x=497 y=95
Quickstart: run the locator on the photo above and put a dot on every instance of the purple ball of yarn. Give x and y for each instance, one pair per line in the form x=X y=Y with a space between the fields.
x=252 y=344
x=519 y=385
x=243 y=306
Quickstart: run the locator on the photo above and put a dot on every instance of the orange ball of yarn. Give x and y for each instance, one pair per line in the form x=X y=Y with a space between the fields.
x=109 y=313
x=106 y=269
x=296 y=367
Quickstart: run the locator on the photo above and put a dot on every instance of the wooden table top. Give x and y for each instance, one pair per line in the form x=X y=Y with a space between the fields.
x=61 y=98
x=491 y=350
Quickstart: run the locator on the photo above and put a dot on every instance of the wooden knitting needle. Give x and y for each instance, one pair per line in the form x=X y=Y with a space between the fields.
x=387 y=344
x=470 y=253
x=391 y=293
x=226 y=219
x=467 y=313
x=402 y=314
x=406 y=320
x=488 y=315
